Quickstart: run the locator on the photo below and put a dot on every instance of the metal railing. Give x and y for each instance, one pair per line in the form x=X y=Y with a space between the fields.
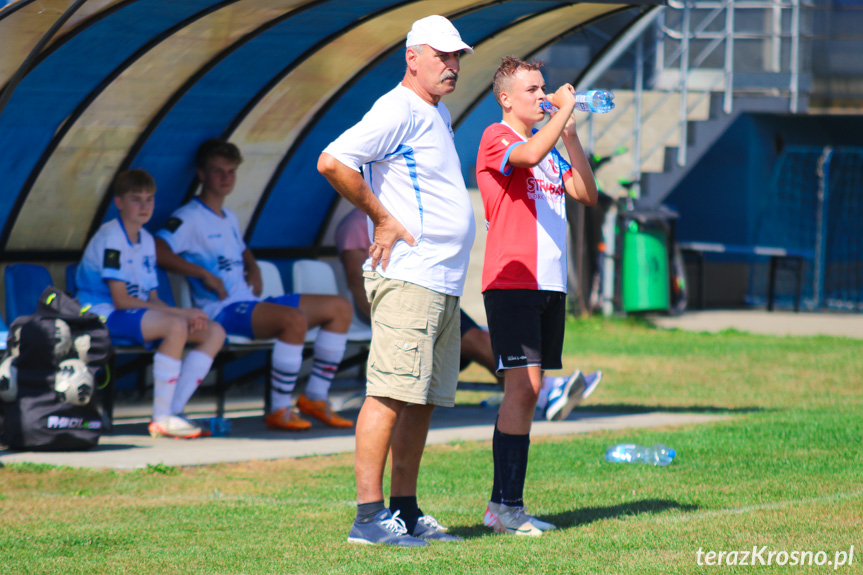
x=699 y=47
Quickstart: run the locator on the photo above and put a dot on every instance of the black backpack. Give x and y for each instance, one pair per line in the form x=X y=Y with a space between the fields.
x=41 y=346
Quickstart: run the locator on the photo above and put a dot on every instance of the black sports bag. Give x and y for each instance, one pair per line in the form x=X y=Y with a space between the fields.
x=56 y=359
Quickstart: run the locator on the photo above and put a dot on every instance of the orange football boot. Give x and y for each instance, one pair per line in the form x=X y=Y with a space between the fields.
x=322 y=411
x=287 y=419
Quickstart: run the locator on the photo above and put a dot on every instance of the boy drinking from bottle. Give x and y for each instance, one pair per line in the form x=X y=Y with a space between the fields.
x=523 y=179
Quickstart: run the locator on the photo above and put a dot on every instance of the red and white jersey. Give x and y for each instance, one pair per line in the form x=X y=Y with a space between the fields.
x=525 y=215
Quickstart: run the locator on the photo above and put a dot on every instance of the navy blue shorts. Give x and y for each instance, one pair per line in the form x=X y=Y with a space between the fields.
x=467 y=323
x=526 y=327
x=236 y=318
x=124 y=326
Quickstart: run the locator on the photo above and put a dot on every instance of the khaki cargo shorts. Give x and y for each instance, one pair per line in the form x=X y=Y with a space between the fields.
x=416 y=342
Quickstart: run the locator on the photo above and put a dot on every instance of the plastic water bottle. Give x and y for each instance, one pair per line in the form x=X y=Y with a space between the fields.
x=599 y=101
x=218 y=426
x=630 y=453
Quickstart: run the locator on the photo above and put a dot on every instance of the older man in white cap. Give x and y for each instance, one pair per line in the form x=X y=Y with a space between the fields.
x=421 y=226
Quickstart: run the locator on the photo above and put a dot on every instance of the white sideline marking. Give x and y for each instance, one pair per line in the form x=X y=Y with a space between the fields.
x=762 y=507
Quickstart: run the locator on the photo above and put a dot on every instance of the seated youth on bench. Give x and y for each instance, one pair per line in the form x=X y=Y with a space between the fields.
x=202 y=241
x=117 y=278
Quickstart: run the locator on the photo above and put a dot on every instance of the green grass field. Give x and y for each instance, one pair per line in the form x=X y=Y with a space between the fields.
x=783 y=474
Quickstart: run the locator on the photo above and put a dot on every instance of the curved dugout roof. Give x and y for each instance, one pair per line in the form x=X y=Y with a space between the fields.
x=95 y=87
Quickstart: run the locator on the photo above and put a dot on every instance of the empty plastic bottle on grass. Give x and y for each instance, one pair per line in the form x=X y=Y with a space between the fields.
x=630 y=453
x=599 y=101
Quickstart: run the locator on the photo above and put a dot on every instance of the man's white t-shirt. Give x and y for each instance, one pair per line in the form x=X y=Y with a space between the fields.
x=212 y=241
x=111 y=255
x=406 y=150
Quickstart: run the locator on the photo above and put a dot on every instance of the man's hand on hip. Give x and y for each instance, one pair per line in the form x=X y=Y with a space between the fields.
x=387 y=233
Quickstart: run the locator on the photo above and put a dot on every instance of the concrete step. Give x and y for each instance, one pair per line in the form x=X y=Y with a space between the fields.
x=659 y=131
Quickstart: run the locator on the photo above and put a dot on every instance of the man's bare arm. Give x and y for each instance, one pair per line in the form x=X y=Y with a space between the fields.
x=351 y=186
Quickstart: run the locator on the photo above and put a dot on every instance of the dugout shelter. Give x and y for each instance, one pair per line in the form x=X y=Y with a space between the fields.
x=94 y=87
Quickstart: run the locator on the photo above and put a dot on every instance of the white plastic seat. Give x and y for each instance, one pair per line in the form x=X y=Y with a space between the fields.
x=317 y=277
x=182 y=290
x=271 y=280
x=359 y=331
x=314 y=277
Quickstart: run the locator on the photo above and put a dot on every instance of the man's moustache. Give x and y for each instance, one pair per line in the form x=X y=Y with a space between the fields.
x=448 y=75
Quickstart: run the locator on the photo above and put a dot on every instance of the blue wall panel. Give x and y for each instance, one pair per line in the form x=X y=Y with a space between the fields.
x=721 y=197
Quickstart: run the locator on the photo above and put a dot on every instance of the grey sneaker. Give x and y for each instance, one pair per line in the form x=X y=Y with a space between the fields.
x=591 y=381
x=492 y=513
x=386 y=529
x=429 y=529
x=513 y=521
x=564 y=397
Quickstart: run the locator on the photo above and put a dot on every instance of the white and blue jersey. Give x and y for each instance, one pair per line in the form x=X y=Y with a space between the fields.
x=406 y=148
x=111 y=255
x=212 y=241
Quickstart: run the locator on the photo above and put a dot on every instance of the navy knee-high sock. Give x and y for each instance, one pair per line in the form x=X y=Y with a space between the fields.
x=495 y=449
x=512 y=465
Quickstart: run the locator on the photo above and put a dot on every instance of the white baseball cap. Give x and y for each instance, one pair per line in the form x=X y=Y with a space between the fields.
x=437 y=32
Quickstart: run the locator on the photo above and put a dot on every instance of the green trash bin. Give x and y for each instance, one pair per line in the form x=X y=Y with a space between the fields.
x=645 y=266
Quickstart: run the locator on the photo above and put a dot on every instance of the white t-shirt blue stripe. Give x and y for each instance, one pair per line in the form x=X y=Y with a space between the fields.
x=406 y=148
x=214 y=242
x=111 y=255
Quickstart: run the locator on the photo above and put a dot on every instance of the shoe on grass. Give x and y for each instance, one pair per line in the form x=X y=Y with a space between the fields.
x=322 y=411
x=564 y=397
x=429 y=529
x=590 y=382
x=493 y=514
x=287 y=419
x=386 y=529
x=174 y=426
